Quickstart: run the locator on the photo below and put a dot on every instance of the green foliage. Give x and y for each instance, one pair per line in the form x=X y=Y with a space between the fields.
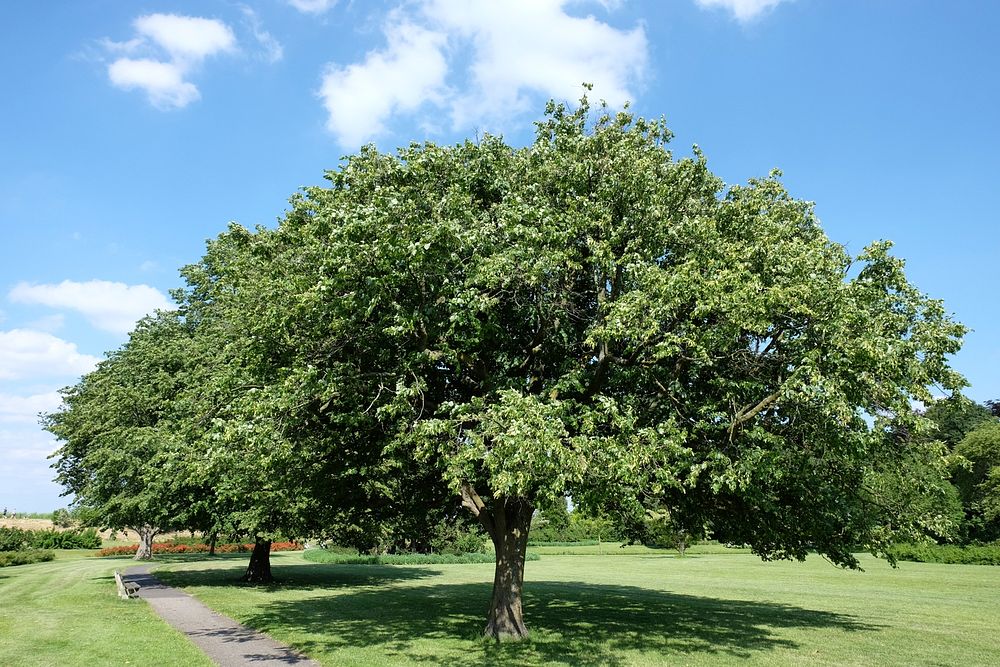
x=65 y=539
x=457 y=539
x=324 y=556
x=577 y=528
x=16 y=539
x=127 y=454
x=26 y=557
x=62 y=518
x=977 y=476
x=987 y=554
x=13 y=539
x=954 y=417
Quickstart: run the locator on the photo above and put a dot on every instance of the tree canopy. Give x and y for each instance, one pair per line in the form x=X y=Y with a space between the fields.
x=585 y=316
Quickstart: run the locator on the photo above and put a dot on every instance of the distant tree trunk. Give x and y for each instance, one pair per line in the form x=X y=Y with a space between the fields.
x=507 y=524
x=211 y=543
x=259 y=569
x=145 y=549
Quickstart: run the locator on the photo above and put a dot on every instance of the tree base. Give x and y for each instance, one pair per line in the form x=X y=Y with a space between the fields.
x=506 y=632
x=259 y=568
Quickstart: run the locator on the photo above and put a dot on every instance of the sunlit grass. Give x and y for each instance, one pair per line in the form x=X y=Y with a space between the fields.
x=67 y=612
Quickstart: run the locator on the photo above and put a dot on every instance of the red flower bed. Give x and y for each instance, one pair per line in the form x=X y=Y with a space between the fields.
x=171 y=548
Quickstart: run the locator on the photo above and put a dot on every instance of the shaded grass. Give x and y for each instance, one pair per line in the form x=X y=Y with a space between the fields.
x=640 y=609
x=67 y=613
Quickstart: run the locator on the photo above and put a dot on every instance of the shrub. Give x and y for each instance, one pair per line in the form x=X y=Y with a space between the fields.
x=13 y=539
x=197 y=548
x=987 y=554
x=27 y=557
x=65 y=539
x=16 y=539
x=62 y=518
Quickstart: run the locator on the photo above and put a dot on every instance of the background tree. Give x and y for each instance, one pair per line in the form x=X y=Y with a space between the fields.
x=954 y=417
x=586 y=316
x=978 y=480
x=123 y=458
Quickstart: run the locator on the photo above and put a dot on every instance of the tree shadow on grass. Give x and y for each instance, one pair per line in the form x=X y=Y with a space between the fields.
x=571 y=622
x=306 y=577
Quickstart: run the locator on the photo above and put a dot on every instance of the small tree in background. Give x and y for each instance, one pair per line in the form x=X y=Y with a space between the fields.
x=978 y=479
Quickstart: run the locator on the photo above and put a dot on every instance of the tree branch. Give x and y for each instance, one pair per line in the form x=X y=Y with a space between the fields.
x=749 y=413
x=474 y=503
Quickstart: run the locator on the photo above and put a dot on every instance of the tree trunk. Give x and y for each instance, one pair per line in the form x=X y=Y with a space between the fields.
x=145 y=549
x=507 y=524
x=211 y=544
x=259 y=569
x=512 y=519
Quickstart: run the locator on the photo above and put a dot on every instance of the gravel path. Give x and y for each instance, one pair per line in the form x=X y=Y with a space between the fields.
x=224 y=640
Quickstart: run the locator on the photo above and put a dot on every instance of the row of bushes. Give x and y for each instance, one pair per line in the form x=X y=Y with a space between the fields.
x=987 y=554
x=26 y=557
x=174 y=548
x=18 y=539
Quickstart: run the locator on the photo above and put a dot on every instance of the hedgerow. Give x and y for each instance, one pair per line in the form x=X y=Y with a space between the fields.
x=27 y=557
x=18 y=539
x=174 y=548
x=987 y=554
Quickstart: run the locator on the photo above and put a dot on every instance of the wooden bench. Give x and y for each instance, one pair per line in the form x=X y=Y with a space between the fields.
x=126 y=589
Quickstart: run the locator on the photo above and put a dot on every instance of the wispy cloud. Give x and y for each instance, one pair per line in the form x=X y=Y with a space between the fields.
x=111 y=306
x=312 y=6
x=271 y=49
x=742 y=10
x=517 y=51
x=16 y=409
x=172 y=46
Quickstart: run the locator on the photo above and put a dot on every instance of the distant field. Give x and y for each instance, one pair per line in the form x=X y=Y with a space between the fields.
x=111 y=538
x=626 y=609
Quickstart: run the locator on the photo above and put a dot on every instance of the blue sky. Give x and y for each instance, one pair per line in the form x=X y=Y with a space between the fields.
x=131 y=132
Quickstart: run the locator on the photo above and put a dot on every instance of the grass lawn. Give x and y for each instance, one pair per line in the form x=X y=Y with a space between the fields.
x=67 y=612
x=639 y=608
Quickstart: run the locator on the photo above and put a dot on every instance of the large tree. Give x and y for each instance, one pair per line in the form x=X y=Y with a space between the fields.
x=589 y=316
x=124 y=457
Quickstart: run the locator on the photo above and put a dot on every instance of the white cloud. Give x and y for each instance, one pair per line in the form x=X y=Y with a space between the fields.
x=742 y=10
x=533 y=47
x=518 y=50
x=185 y=40
x=111 y=306
x=25 y=409
x=410 y=72
x=25 y=353
x=312 y=6
x=163 y=82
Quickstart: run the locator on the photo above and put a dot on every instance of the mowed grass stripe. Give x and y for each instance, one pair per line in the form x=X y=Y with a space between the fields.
x=646 y=609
